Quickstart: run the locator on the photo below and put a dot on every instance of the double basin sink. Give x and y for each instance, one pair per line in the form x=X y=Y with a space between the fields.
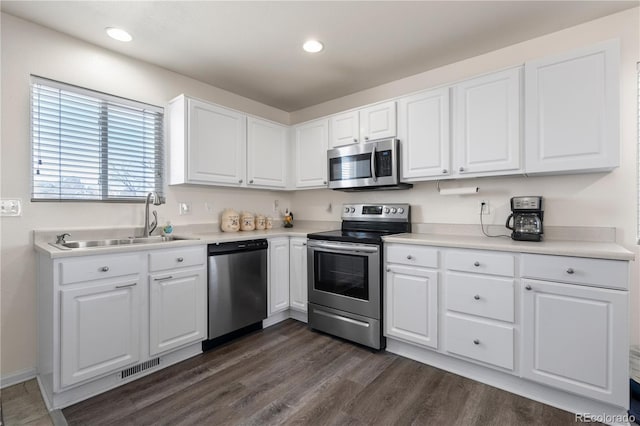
x=85 y=244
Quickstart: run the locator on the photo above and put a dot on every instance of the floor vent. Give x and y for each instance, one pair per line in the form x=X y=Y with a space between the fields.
x=139 y=368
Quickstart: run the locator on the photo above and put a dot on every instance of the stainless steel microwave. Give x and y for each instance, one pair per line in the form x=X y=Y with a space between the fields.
x=365 y=166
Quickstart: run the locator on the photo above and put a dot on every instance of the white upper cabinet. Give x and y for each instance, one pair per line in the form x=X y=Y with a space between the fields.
x=311 y=144
x=207 y=143
x=345 y=129
x=423 y=130
x=367 y=124
x=572 y=110
x=487 y=124
x=378 y=122
x=266 y=153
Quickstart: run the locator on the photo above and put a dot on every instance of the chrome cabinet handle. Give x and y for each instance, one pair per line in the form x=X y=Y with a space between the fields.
x=527 y=287
x=570 y=271
x=180 y=259
x=104 y=269
x=164 y=278
x=476 y=263
x=409 y=257
x=126 y=285
x=461 y=169
x=476 y=341
x=477 y=297
x=444 y=171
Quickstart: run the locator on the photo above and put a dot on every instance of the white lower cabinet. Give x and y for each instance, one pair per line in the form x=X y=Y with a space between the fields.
x=278 y=275
x=177 y=309
x=99 y=328
x=411 y=303
x=298 y=274
x=575 y=338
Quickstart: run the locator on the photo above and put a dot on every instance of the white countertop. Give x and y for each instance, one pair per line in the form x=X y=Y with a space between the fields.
x=599 y=250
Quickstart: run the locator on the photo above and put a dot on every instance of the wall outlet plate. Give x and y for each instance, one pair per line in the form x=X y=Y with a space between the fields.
x=10 y=207
x=184 y=208
x=485 y=207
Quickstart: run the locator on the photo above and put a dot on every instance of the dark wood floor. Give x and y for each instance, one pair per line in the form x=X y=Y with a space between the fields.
x=289 y=374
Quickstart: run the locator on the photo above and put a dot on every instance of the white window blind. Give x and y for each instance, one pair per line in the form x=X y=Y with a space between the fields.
x=90 y=146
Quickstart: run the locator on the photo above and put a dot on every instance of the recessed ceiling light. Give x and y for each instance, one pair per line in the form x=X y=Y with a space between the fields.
x=118 y=34
x=312 y=46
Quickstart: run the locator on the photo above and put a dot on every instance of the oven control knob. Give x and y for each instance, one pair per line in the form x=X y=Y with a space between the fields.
x=351 y=210
x=400 y=210
x=393 y=210
x=386 y=210
x=346 y=209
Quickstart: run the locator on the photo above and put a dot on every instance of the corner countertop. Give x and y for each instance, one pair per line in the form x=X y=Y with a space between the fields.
x=196 y=238
x=590 y=249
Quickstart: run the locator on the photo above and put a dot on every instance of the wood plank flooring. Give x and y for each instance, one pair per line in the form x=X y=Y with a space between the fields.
x=288 y=374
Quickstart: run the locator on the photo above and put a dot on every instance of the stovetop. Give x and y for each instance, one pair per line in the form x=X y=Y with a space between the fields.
x=364 y=237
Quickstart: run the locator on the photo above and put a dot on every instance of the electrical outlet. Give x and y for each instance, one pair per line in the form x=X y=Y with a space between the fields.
x=208 y=206
x=184 y=208
x=484 y=207
x=276 y=204
x=10 y=207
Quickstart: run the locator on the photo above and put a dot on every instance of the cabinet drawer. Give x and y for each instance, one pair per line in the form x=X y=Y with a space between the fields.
x=480 y=295
x=97 y=267
x=177 y=258
x=490 y=343
x=481 y=262
x=414 y=255
x=579 y=270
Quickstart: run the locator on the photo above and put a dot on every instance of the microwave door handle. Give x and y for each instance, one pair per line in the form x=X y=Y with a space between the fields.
x=373 y=164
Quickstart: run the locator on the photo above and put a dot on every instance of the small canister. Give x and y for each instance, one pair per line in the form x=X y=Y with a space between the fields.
x=268 y=222
x=247 y=221
x=229 y=221
x=261 y=222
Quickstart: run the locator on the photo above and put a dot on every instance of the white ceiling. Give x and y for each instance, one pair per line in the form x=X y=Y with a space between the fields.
x=254 y=48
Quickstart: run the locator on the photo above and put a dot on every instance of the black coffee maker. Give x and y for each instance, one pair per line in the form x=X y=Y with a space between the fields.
x=527 y=217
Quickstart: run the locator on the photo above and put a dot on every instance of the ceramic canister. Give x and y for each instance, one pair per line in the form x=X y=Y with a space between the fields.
x=269 y=222
x=261 y=222
x=230 y=221
x=247 y=221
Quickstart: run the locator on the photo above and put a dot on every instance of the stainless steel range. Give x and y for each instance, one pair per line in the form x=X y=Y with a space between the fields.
x=345 y=272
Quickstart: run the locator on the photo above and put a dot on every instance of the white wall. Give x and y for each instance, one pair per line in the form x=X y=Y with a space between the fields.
x=31 y=49
x=587 y=200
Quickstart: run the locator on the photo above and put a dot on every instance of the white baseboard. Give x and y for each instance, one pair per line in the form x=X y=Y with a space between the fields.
x=284 y=315
x=17 y=377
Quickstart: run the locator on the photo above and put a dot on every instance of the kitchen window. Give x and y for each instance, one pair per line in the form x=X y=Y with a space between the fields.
x=91 y=146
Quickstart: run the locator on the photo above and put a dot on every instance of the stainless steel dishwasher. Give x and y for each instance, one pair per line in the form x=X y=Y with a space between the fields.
x=237 y=286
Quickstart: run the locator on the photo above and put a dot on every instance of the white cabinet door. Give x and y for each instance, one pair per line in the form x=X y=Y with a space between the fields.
x=572 y=110
x=344 y=129
x=266 y=153
x=177 y=309
x=99 y=329
x=423 y=130
x=575 y=338
x=278 y=275
x=487 y=123
x=378 y=122
x=216 y=144
x=411 y=301
x=312 y=142
x=298 y=273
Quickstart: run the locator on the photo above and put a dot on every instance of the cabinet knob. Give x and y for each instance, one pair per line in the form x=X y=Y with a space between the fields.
x=476 y=341
x=461 y=169
x=477 y=297
x=409 y=257
x=251 y=181
x=388 y=269
x=527 y=287
x=355 y=140
x=304 y=244
x=104 y=269
x=444 y=171
x=240 y=181
x=570 y=271
x=180 y=259
x=324 y=182
x=476 y=263
x=366 y=138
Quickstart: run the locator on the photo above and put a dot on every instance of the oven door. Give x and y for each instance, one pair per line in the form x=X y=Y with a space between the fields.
x=345 y=276
x=363 y=165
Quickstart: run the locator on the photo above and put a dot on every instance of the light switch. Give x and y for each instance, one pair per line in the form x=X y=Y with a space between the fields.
x=10 y=207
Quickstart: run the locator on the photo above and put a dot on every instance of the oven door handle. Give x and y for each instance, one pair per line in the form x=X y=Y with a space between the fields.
x=373 y=164
x=341 y=247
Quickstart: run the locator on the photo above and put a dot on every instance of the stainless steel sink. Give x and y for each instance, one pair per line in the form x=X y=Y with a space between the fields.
x=68 y=245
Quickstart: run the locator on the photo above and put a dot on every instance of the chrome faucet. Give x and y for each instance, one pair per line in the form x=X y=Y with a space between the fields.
x=152 y=197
